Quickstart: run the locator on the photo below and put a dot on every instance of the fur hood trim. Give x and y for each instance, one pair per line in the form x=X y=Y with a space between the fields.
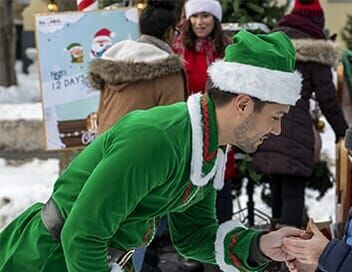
x=321 y=51
x=131 y=61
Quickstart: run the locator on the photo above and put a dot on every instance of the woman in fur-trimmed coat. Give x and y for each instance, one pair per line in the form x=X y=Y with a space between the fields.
x=287 y=159
x=136 y=75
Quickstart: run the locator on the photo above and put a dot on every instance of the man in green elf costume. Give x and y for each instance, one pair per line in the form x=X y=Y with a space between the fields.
x=168 y=160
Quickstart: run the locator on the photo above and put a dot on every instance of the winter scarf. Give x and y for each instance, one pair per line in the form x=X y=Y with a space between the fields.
x=197 y=61
x=205 y=46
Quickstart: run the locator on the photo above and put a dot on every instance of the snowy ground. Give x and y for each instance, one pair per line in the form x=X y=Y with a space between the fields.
x=26 y=183
x=21 y=185
x=27 y=91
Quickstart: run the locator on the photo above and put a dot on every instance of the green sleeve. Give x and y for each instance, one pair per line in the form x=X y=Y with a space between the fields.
x=197 y=235
x=128 y=171
x=193 y=231
x=234 y=244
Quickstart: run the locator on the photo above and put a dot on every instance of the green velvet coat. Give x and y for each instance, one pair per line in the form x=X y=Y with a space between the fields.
x=114 y=193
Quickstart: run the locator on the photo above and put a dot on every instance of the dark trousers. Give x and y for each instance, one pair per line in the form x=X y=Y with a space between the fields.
x=288 y=199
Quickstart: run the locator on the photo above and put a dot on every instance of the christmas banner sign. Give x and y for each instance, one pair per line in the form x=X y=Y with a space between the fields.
x=67 y=42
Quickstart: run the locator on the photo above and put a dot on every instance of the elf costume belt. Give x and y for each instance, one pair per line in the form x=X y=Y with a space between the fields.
x=54 y=222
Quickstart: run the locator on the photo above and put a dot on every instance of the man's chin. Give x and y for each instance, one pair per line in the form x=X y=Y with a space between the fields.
x=248 y=149
x=255 y=148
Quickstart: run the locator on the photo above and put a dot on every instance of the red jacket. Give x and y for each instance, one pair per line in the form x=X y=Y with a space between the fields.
x=196 y=62
x=196 y=65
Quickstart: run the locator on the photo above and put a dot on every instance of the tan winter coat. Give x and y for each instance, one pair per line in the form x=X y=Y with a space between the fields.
x=136 y=75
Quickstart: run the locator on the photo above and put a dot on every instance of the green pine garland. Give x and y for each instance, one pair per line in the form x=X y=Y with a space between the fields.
x=245 y=11
x=347 y=32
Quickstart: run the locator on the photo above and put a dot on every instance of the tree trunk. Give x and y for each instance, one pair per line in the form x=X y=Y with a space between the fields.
x=7 y=45
x=67 y=5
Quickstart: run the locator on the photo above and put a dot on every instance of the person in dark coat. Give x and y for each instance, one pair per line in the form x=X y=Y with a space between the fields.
x=319 y=253
x=287 y=160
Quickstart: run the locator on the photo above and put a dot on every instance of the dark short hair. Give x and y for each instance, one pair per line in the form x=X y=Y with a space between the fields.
x=221 y=98
x=157 y=18
x=258 y=104
x=189 y=38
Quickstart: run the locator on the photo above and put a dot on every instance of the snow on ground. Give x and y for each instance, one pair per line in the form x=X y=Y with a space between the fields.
x=27 y=111
x=27 y=91
x=22 y=101
x=24 y=184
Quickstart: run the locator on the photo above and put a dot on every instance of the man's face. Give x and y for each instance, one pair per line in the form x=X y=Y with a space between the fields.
x=258 y=126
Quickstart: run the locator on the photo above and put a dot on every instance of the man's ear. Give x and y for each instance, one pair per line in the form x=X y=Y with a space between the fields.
x=241 y=103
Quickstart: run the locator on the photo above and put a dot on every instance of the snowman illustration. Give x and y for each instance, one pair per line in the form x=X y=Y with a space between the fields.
x=101 y=42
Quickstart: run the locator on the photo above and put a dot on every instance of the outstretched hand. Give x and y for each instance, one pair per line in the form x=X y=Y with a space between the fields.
x=271 y=243
x=306 y=251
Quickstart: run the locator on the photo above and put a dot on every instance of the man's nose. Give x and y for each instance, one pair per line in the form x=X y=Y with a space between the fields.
x=276 y=128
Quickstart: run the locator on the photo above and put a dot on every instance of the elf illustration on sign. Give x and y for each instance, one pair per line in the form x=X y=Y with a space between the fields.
x=101 y=42
x=76 y=51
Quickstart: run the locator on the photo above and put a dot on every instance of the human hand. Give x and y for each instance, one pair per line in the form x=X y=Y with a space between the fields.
x=295 y=266
x=271 y=243
x=292 y=265
x=307 y=251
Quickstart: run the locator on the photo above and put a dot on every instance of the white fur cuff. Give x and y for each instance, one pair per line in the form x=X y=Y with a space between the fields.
x=223 y=230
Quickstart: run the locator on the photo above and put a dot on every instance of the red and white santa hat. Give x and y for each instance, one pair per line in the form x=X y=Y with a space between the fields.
x=103 y=34
x=86 y=5
x=196 y=6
